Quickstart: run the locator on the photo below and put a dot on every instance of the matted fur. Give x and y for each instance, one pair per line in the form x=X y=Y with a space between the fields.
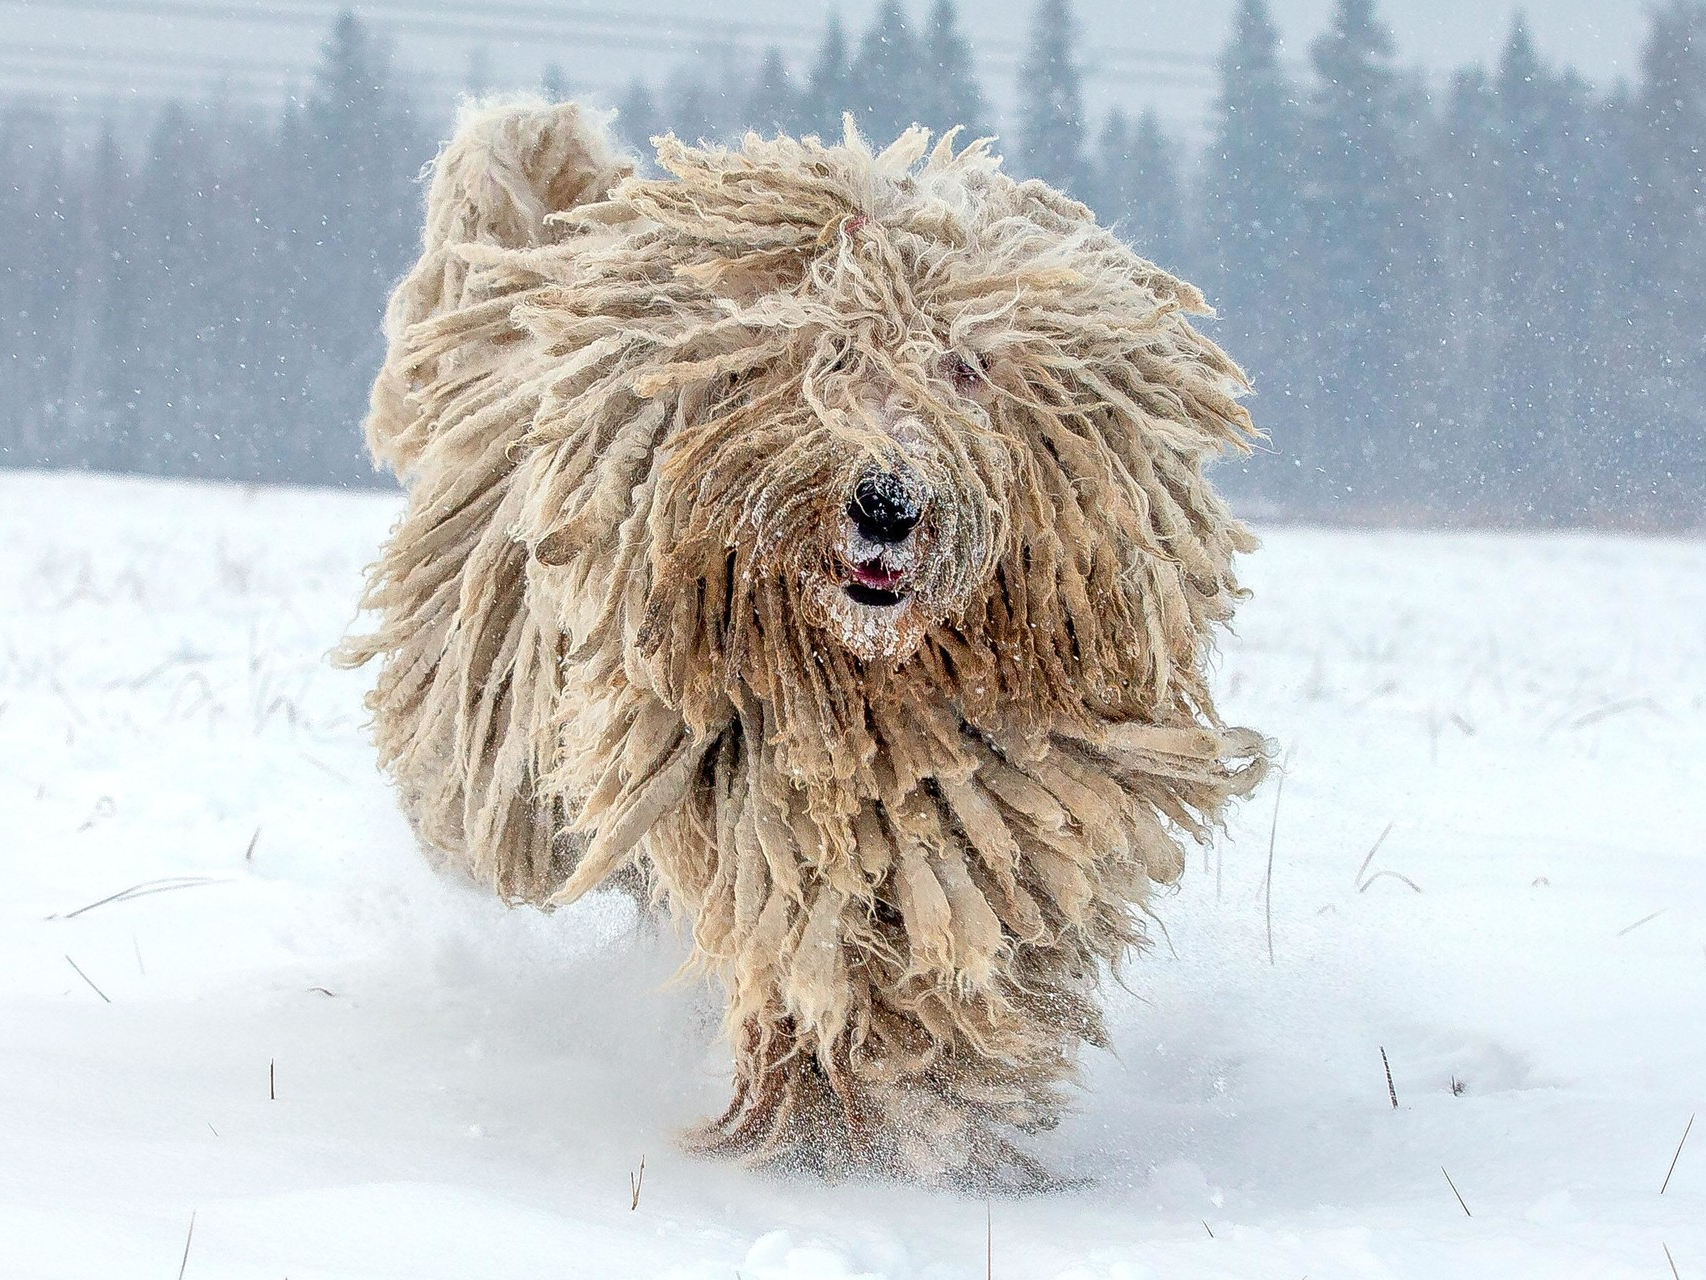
x=630 y=415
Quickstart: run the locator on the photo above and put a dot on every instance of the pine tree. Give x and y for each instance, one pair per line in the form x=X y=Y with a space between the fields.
x=35 y=299
x=692 y=108
x=886 y=76
x=237 y=381
x=354 y=227
x=173 y=182
x=1112 y=185
x=1137 y=186
x=772 y=105
x=828 y=90
x=554 y=83
x=1365 y=327
x=1356 y=87
x=1251 y=182
x=951 y=93
x=1537 y=336
x=1671 y=110
x=1668 y=226
x=638 y=119
x=477 y=76
x=1251 y=252
x=1051 y=102
x=114 y=304
x=1466 y=156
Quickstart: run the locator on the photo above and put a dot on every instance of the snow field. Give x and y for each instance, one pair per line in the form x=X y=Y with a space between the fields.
x=464 y=1090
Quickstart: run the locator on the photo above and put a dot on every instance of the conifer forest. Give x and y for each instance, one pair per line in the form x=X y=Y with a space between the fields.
x=1479 y=300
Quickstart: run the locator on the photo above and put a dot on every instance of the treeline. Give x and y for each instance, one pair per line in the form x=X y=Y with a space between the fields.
x=1486 y=304
x=208 y=304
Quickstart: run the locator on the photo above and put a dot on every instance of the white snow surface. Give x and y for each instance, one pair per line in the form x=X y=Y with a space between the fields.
x=464 y=1090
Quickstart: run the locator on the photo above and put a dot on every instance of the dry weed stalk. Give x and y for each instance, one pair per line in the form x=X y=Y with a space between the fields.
x=166 y=885
x=1647 y=919
x=1456 y=1192
x=1363 y=880
x=184 y=1262
x=86 y=978
x=1268 y=879
x=1686 y=1130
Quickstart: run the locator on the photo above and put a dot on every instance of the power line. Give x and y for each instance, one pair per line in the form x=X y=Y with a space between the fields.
x=146 y=61
x=590 y=28
x=139 y=74
x=400 y=21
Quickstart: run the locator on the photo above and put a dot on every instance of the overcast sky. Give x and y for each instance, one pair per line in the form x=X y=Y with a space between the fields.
x=1137 y=52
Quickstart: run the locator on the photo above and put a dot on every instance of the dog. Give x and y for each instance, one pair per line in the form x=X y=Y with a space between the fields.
x=817 y=539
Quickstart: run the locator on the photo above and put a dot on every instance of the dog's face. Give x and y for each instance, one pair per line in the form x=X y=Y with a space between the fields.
x=899 y=400
x=885 y=504
x=883 y=548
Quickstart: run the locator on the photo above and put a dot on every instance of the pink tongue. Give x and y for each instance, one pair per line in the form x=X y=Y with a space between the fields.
x=875 y=578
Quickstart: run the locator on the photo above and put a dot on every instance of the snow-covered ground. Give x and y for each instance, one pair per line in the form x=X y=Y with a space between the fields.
x=463 y=1091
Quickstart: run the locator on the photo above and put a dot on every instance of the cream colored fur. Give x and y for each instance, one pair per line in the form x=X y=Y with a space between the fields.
x=616 y=634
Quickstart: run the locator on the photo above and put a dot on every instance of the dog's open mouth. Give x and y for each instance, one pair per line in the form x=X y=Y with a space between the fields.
x=874 y=584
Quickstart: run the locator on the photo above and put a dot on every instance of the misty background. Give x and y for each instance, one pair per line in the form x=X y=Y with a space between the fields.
x=1462 y=254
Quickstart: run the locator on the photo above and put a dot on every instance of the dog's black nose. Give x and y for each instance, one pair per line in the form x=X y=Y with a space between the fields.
x=884 y=508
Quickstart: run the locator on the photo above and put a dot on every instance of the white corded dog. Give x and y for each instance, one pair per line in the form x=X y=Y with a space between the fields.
x=822 y=538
